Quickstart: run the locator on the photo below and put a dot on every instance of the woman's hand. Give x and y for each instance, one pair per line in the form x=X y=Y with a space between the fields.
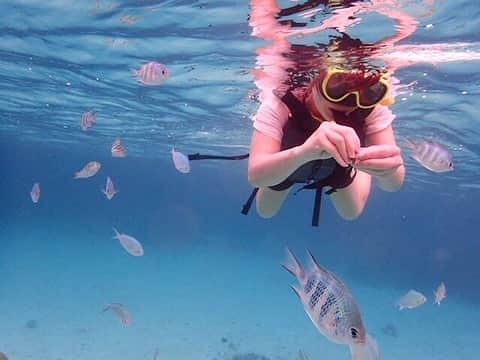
x=332 y=140
x=378 y=160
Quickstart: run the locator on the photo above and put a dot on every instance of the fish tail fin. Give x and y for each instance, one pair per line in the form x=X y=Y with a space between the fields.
x=116 y=233
x=292 y=265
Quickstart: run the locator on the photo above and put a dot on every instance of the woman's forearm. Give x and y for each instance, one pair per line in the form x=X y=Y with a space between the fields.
x=271 y=169
x=393 y=181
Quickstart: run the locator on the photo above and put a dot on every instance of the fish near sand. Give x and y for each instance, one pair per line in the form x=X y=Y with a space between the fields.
x=331 y=307
x=88 y=170
x=411 y=300
x=328 y=302
x=181 y=162
x=431 y=155
x=129 y=243
x=35 y=193
x=151 y=73
x=109 y=190
x=121 y=312
x=440 y=293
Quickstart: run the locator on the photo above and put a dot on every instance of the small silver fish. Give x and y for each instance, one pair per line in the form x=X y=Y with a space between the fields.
x=87 y=120
x=328 y=302
x=118 y=150
x=121 y=312
x=181 y=162
x=88 y=170
x=129 y=243
x=152 y=73
x=431 y=155
x=411 y=300
x=440 y=293
x=109 y=190
x=35 y=194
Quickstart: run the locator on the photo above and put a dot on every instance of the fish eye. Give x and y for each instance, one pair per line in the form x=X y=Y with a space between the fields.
x=354 y=332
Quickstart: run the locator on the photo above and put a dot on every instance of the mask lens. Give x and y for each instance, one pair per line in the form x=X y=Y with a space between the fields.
x=373 y=94
x=337 y=86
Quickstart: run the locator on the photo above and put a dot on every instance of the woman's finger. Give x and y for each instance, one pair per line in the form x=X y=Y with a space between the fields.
x=351 y=139
x=379 y=164
x=378 y=152
x=339 y=142
x=332 y=149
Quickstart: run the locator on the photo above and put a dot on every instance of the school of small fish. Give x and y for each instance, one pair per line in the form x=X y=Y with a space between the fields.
x=327 y=301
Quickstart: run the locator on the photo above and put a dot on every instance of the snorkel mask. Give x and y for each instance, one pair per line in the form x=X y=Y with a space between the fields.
x=364 y=89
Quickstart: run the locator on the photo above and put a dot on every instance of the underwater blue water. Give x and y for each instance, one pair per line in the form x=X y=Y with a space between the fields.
x=210 y=285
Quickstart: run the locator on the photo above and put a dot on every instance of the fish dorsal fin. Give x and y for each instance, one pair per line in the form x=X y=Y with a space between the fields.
x=323 y=270
x=315 y=263
x=297 y=291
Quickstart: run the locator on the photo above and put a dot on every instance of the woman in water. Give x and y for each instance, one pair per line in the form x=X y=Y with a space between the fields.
x=334 y=133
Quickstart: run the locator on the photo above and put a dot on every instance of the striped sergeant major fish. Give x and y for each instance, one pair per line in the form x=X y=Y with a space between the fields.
x=431 y=155
x=328 y=302
x=332 y=308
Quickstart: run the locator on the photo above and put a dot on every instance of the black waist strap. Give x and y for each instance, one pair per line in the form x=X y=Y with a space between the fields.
x=347 y=175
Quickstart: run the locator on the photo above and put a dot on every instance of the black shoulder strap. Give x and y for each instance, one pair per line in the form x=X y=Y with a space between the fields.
x=197 y=156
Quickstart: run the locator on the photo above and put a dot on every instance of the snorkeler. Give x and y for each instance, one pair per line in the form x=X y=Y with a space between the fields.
x=336 y=133
x=323 y=121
